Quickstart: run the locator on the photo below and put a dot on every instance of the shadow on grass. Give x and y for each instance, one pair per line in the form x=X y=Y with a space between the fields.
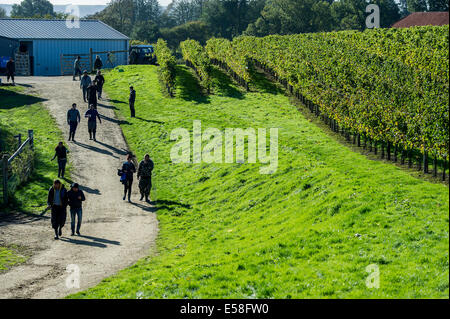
x=10 y=99
x=149 y=121
x=261 y=84
x=116 y=101
x=116 y=121
x=188 y=88
x=170 y=205
x=223 y=85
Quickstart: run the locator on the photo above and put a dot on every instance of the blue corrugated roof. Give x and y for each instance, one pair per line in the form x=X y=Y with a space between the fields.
x=57 y=29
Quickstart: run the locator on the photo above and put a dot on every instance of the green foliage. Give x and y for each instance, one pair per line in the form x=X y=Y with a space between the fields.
x=195 y=55
x=222 y=50
x=147 y=32
x=195 y=30
x=167 y=64
x=2 y=13
x=19 y=112
x=33 y=9
x=226 y=231
x=389 y=84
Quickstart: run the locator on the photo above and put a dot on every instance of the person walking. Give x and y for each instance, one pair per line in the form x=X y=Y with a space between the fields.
x=57 y=201
x=10 y=70
x=128 y=169
x=77 y=68
x=144 y=174
x=92 y=94
x=92 y=116
x=131 y=101
x=75 y=199
x=100 y=80
x=61 y=152
x=73 y=118
x=84 y=84
x=98 y=63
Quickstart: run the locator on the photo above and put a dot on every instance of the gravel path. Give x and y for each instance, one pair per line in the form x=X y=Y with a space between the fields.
x=114 y=233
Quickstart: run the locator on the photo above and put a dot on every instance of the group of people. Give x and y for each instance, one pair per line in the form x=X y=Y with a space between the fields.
x=59 y=198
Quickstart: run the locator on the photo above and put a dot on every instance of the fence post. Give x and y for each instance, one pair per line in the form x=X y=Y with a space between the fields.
x=5 y=179
x=91 y=67
x=19 y=138
x=31 y=137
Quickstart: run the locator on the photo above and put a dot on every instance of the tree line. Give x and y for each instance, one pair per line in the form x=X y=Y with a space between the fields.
x=147 y=20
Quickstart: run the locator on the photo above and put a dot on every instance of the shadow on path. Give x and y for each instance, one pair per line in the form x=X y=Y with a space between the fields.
x=95 y=149
x=82 y=242
x=114 y=149
x=101 y=240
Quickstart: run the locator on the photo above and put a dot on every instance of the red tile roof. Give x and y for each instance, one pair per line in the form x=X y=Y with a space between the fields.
x=422 y=18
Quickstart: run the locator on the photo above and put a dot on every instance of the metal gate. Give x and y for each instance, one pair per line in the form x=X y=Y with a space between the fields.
x=67 y=61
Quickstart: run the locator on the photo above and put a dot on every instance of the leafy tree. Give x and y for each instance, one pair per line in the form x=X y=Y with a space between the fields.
x=349 y=14
x=438 y=5
x=417 y=5
x=147 y=10
x=2 y=13
x=195 y=30
x=229 y=18
x=32 y=8
x=146 y=31
x=389 y=12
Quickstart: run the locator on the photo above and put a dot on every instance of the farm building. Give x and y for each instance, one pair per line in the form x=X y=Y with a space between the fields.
x=422 y=19
x=49 y=47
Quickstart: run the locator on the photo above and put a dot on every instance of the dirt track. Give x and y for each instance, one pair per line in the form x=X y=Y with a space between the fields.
x=114 y=233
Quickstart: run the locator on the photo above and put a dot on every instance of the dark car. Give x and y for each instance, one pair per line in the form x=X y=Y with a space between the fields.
x=142 y=54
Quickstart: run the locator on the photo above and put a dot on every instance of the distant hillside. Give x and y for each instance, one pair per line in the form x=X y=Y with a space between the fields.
x=85 y=10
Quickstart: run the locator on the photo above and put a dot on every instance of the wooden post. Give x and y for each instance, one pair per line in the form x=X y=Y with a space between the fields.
x=31 y=137
x=91 y=67
x=5 y=179
x=19 y=139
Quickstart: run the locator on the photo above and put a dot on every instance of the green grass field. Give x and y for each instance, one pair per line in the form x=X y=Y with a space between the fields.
x=19 y=112
x=226 y=231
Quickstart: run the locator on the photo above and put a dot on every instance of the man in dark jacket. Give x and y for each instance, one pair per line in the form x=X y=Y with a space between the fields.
x=131 y=100
x=92 y=116
x=73 y=118
x=61 y=152
x=98 y=63
x=144 y=174
x=77 y=68
x=75 y=198
x=128 y=169
x=57 y=201
x=99 y=80
x=92 y=94
x=10 y=70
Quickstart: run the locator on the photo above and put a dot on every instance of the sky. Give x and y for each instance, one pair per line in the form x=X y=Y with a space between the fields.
x=85 y=2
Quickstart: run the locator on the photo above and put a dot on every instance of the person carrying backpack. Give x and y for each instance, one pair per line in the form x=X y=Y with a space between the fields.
x=75 y=199
x=57 y=201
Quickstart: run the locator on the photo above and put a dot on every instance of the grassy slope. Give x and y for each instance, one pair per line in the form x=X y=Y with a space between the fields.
x=227 y=231
x=20 y=112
